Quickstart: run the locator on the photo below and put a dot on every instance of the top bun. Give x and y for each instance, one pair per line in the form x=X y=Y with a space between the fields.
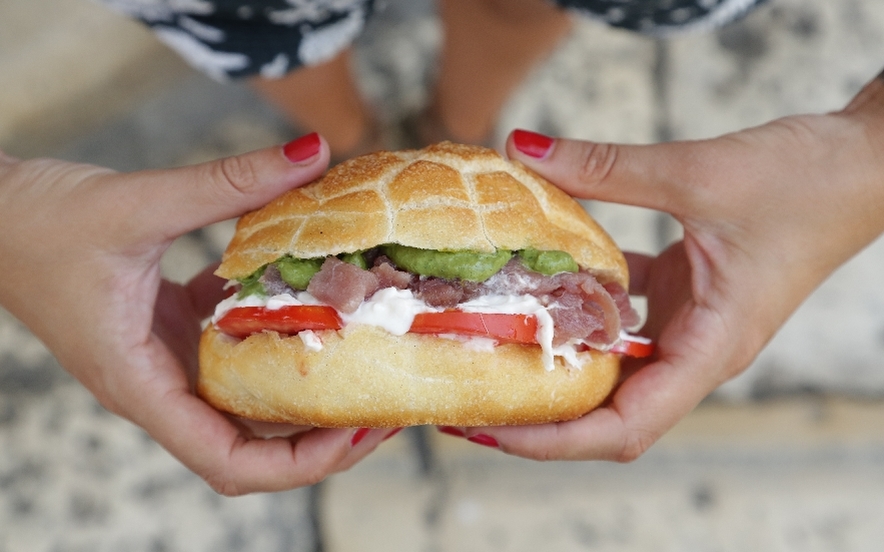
x=443 y=197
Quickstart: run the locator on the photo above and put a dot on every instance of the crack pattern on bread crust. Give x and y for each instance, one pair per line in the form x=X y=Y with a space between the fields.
x=446 y=197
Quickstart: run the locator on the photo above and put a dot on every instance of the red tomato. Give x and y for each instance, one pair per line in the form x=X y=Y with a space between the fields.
x=244 y=321
x=509 y=328
x=633 y=346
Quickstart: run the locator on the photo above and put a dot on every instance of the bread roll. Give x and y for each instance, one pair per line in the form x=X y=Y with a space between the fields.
x=444 y=197
x=366 y=377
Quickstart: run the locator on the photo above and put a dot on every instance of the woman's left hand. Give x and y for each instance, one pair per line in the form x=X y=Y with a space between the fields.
x=768 y=213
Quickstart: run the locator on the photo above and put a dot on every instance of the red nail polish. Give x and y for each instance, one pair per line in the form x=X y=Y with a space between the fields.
x=485 y=440
x=359 y=435
x=303 y=148
x=531 y=143
x=448 y=430
x=392 y=433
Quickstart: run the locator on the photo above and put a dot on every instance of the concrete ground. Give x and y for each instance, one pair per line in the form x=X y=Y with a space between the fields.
x=788 y=456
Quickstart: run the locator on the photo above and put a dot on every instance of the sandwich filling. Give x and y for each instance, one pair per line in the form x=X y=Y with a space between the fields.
x=393 y=286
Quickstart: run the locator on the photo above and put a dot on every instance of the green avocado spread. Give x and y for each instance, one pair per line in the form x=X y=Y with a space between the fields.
x=548 y=262
x=298 y=272
x=453 y=265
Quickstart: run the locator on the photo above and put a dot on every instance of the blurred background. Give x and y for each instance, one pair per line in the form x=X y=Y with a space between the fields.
x=788 y=456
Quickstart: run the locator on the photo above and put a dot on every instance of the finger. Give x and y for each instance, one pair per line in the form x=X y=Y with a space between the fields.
x=177 y=328
x=231 y=463
x=659 y=176
x=639 y=268
x=266 y=430
x=645 y=406
x=216 y=448
x=176 y=201
x=238 y=457
x=364 y=442
x=206 y=290
x=606 y=433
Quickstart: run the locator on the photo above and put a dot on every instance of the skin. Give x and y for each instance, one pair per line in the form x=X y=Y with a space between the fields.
x=338 y=113
x=511 y=37
x=501 y=40
x=768 y=214
x=80 y=255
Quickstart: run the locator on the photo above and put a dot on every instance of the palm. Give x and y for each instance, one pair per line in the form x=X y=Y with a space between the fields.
x=176 y=324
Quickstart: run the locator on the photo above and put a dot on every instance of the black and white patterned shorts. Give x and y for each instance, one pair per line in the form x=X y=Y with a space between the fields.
x=238 y=38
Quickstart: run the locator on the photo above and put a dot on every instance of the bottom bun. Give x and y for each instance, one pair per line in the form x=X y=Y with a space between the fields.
x=367 y=377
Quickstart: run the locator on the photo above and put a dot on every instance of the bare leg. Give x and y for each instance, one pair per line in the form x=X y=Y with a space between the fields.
x=324 y=98
x=489 y=48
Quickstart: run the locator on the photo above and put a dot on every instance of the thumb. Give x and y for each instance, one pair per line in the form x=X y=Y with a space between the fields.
x=176 y=201
x=658 y=176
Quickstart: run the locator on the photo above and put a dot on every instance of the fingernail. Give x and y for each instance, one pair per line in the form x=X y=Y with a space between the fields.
x=448 y=430
x=485 y=440
x=531 y=143
x=359 y=435
x=392 y=433
x=303 y=148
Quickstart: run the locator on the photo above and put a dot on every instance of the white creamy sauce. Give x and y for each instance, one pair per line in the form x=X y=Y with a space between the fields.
x=273 y=302
x=390 y=308
x=311 y=340
x=521 y=304
x=394 y=310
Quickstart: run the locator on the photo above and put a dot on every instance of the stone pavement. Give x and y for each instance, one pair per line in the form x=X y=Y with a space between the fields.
x=787 y=456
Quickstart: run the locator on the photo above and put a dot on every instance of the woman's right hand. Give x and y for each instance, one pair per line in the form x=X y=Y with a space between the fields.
x=80 y=267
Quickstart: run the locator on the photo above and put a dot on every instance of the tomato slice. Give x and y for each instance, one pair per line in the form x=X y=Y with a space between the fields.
x=508 y=328
x=244 y=321
x=634 y=346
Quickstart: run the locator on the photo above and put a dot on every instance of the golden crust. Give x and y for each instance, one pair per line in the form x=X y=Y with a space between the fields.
x=447 y=196
x=366 y=377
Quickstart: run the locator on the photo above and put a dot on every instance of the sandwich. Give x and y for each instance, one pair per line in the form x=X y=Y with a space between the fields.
x=442 y=286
